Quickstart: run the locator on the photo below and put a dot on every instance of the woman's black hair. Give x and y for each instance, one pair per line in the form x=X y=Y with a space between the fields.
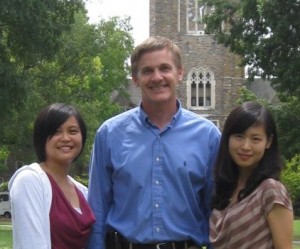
x=226 y=171
x=48 y=121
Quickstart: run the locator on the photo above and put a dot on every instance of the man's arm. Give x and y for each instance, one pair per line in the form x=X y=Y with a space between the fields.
x=99 y=195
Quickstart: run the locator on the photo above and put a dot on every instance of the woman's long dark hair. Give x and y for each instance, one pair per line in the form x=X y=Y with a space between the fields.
x=226 y=171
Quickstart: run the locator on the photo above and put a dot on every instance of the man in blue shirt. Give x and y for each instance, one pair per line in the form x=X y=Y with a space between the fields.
x=151 y=167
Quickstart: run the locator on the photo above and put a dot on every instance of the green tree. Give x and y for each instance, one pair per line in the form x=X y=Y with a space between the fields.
x=29 y=33
x=287 y=115
x=291 y=177
x=27 y=27
x=266 y=33
x=4 y=152
x=246 y=95
x=89 y=66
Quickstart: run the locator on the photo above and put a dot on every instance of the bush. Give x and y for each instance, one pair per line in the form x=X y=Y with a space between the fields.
x=291 y=177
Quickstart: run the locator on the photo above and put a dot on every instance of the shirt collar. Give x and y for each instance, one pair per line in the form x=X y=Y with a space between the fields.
x=145 y=119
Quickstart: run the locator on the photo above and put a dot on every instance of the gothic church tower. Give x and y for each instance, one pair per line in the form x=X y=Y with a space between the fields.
x=212 y=74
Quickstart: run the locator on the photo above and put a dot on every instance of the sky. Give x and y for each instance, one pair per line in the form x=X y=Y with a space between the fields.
x=138 y=10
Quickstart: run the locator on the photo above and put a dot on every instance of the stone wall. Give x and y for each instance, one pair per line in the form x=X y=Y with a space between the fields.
x=168 y=18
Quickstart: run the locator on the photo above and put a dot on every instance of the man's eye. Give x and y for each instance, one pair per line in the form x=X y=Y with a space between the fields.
x=146 y=71
x=166 y=68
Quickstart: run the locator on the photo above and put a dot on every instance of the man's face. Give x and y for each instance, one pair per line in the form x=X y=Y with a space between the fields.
x=158 y=77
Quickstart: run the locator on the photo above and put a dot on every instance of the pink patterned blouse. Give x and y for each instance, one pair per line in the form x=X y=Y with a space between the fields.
x=244 y=224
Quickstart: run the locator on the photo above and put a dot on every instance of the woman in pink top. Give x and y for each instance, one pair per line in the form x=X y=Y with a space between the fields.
x=251 y=207
x=49 y=208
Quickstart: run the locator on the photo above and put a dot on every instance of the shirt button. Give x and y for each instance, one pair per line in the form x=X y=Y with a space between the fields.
x=156 y=182
x=157 y=229
x=157 y=159
x=156 y=205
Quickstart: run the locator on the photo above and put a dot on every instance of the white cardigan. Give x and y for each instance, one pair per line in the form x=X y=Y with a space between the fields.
x=31 y=197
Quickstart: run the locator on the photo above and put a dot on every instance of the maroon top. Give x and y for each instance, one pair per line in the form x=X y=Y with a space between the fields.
x=69 y=228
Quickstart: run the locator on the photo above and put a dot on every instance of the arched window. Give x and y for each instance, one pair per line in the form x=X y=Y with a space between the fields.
x=200 y=89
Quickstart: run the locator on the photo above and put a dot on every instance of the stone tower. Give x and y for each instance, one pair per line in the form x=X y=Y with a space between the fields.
x=212 y=74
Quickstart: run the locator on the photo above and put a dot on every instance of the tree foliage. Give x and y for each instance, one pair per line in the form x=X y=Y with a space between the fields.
x=88 y=65
x=27 y=27
x=287 y=115
x=267 y=35
x=291 y=177
x=246 y=95
x=29 y=32
x=4 y=152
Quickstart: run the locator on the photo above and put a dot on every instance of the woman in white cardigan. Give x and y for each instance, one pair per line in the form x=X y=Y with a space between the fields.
x=49 y=208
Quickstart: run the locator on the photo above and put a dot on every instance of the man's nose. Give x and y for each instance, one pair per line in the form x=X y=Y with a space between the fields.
x=156 y=76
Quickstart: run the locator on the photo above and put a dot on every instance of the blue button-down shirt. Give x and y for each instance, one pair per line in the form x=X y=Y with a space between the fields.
x=152 y=185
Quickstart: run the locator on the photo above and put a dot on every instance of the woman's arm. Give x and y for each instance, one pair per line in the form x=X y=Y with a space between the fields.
x=30 y=217
x=280 y=220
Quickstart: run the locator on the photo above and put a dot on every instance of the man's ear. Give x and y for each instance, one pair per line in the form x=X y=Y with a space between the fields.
x=135 y=80
x=180 y=74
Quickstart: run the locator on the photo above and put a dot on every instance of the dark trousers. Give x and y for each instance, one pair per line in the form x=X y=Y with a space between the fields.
x=114 y=240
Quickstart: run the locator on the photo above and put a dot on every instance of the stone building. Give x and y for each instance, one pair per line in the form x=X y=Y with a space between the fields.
x=212 y=75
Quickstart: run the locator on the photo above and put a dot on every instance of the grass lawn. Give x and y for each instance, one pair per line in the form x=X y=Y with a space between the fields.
x=297 y=230
x=6 y=234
